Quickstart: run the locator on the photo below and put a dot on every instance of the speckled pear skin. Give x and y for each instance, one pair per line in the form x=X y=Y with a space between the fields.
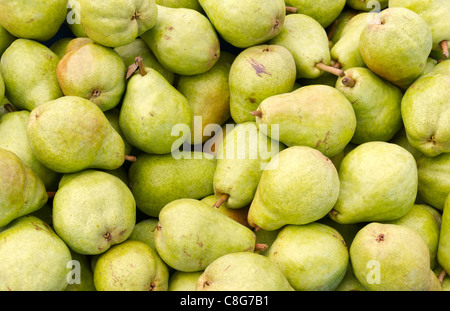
x=93 y=210
x=259 y=72
x=190 y=235
x=396 y=47
x=71 y=134
x=244 y=23
x=367 y=5
x=22 y=64
x=377 y=105
x=342 y=20
x=307 y=41
x=117 y=23
x=324 y=11
x=313 y=257
x=150 y=110
x=35 y=20
x=189 y=4
x=378 y=182
x=5 y=39
x=295 y=172
x=183 y=281
x=94 y=72
x=23 y=192
x=183 y=40
x=155 y=179
x=388 y=257
x=33 y=257
x=443 y=252
x=243 y=271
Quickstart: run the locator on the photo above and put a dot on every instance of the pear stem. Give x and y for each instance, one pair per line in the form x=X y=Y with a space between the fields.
x=222 y=199
x=333 y=70
x=348 y=81
x=139 y=61
x=130 y=158
x=333 y=29
x=257 y=113
x=441 y=276
x=51 y=194
x=260 y=247
x=444 y=46
x=9 y=107
x=291 y=9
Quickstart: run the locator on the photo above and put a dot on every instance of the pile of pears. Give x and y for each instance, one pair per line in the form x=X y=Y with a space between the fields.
x=201 y=145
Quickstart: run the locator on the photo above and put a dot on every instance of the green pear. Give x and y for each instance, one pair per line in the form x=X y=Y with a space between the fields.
x=113 y=116
x=427 y=222
x=308 y=43
x=429 y=66
x=434 y=179
x=443 y=252
x=317 y=116
x=13 y=137
x=377 y=104
x=130 y=266
x=23 y=63
x=312 y=256
x=259 y=72
x=346 y=50
x=266 y=237
x=2 y=91
x=396 y=46
x=71 y=133
x=35 y=20
x=299 y=185
x=401 y=139
x=389 y=257
x=183 y=40
x=324 y=11
x=156 y=180
x=350 y=282
x=138 y=48
x=22 y=192
x=367 y=5
x=82 y=276
x=73 y=19
x=336 y=28
x=190 y=235
x=144 y=231
x=189 y=4
x=208 y=95
x=426 y=111
x=117 y=23
x=93 y=210
x=94 y=72
x=243 y=271
x=238 y=214
x=246 y=23
x=60 y=45
x=184 y=281
x=242 y=157
x=151 y=109
x=5 y=39
x=32 y=257
x=378 y=182
x=347 y=231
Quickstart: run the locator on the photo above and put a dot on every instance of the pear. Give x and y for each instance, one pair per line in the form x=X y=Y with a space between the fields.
x=190 y=235
x=396 y=46
x=208 y=95
x=443 y=252
x=183 y=40
x=377 y=104
x=308 y=43
x=82 y=276
x=434 y=179
x=60 y=45
x=113 y=116
x=71 y=133
x=401 y=139
x=338 y=25
x=156 y=180
x=389 y=257
x=117 y=23
x=184 y=281
x=24 y=63
x=317 y=116
x=378 y=182
x=312 y=256
x=246 y=23
x=73 y=19
x=93 y=210
x=151 y=108
x=350 y=282
x=144 y=231
x=35 y=20
x=32 y=257
x=5 y=39
x=426 y=220
x=189 y=4
x=299 y=185
x=347 y=231
x=266 y=237
x=242 y=157
x=23 y=192
x=259 y=72
x=138 y=48
x=367 y=5
x=238 y=214
x=13 y=137
x=426 y=111
x=94 y=72
x=324 y=11
x=130 y=266
x=243 y=271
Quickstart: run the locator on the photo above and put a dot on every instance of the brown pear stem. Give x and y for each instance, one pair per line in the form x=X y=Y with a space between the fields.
x=442 y=275
x=140 y=62
x=337 y=65
x=51 y=194
x=256 y=113
x=444 y=46
x=348 y=81
x=291 y=9
x=9 y=107
x=336 y=71
x=333 y=29
x=260 y=247
x=131 y=158
x=222 y=199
